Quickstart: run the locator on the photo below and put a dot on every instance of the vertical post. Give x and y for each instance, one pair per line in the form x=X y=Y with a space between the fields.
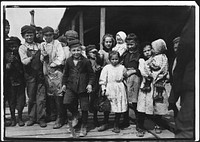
x=102 y=25
x=73 y=24
x=81 y=32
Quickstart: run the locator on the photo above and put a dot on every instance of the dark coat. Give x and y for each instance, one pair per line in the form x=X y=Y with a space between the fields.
x=76 y=78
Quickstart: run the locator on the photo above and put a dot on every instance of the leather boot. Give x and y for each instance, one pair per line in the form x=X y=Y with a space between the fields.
x=60 y=120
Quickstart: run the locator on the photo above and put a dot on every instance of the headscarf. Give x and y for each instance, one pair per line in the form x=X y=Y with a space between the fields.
x=159 y=46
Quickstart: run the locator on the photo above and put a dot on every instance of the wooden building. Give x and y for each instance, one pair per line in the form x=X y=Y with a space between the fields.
x=147 y=22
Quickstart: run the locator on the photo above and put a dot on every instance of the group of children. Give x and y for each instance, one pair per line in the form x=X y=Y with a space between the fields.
x=63 y=72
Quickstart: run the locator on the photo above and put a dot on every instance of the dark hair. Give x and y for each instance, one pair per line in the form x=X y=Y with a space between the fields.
x=38 y=28
x=104 y=38
x=111 y=53
x=143 y=45
x=6 y=22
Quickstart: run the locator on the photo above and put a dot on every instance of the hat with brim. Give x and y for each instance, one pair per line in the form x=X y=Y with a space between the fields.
x=91 y=48
x=71 y=34
x=27 y=29
x=74 y=43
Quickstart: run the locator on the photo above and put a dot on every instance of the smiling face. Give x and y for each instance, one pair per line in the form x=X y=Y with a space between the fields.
x=48 y=36
x=76 y=52
x=29 y=37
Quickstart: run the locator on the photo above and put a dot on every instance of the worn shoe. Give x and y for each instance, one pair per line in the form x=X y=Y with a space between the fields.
x=57 y=125
x=116 y=130
x=83 y=132
x=103 y=127
x=42 y=124
x=30 y=123
x=158 y=129
x=21 y=123
x=13 y=123
x=140 y=132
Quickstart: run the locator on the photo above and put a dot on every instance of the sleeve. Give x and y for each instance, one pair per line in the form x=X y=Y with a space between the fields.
x=91 y=73
x=65 y=74
x=143 y=68
x=23 y=55
x=60 y=55
x=103 y=78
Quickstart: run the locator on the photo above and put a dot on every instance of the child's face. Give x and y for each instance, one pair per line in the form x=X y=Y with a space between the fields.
x=131 y=45
x=119 y=39
x=48 y=36
x=14 y=46
x=147 y=51
x=76 y=52
x=114 y=60
x=92 y=54
x=108 y=42
x=29 y=37
x=7 y=29
x=39 y=34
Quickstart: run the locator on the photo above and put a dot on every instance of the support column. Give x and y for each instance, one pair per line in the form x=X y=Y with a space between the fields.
x=102 y=25
x=81 y=29
x=73 y=24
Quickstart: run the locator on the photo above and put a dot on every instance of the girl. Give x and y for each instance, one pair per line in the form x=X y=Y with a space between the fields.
x=53 y=58
x=108 y=42
x=121 y=44
x=147 y=104
x=112 y=85
x=96 y=62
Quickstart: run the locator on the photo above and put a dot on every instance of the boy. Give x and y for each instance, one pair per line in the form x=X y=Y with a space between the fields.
x=14 y=70
x=131 y=62
x=30 y=57
x=78 y=79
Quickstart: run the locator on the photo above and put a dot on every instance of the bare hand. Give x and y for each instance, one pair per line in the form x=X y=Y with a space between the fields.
x=89 y=88
x=32 y=12
x=52 y=65
x=64 y=88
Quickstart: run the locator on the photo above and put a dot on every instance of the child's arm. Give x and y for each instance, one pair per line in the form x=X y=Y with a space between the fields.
x=154 y=65
x=65 y=76
x=103 y=79
x=23 y=55
x=91 y=75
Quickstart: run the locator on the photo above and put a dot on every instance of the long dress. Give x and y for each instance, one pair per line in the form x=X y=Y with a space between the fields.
x=53 y=75
x=145 y=99
x=111 y=79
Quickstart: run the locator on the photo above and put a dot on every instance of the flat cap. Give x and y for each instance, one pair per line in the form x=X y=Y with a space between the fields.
x=74 y=43
x=71 y=34
x=27 y=29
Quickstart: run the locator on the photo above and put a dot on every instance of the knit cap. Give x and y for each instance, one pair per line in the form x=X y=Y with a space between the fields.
x=27 y=29
x=47 y=29
x=159 y=45
x=74 y=43
x=71 y=34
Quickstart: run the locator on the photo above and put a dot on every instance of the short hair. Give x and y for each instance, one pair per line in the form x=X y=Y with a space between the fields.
x=47 y=29
x=6 y=22
x=111 y=53
x=38 y=28
x=132 y=36
x=104 y=38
